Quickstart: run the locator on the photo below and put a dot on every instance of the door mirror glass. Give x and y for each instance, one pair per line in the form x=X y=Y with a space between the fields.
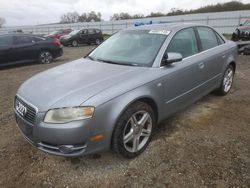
x=171 y=57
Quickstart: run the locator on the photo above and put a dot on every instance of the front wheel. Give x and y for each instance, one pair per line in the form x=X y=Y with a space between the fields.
x=74 y=43
x=133 y=130
x=45 y=57
x=227 y=81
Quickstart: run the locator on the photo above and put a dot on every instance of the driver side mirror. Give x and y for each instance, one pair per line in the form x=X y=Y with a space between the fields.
x=170 y=58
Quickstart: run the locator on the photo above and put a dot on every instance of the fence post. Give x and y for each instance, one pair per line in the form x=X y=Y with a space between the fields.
x=208 y=20
x=112 y=28
x=239 y=21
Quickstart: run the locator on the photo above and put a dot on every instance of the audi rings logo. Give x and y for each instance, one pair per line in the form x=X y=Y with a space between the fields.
x=20 y=108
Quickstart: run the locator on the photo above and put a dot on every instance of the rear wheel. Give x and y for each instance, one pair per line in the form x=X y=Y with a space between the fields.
x=227 y=81
x=97 y=41
x=133 y=130
x=74 y=43
x=45 y=57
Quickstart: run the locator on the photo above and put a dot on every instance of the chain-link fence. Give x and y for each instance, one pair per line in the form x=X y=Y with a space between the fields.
x=224 y=22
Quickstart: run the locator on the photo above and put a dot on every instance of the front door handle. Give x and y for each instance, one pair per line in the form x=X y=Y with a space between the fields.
x=201 y=65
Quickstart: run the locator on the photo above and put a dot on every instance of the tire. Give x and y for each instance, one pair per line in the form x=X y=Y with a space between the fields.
x=97 y=41
x=235 y=37
x=227 y=81
x=131 y=137
x=45 y=57
x=74 y=43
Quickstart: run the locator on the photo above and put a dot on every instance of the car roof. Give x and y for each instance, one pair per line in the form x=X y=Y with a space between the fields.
x=165 y=26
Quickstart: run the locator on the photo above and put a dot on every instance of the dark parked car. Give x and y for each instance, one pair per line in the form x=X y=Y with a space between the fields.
x=242 y=32
x=58 y=34
x=83 y=36
x=20 y=48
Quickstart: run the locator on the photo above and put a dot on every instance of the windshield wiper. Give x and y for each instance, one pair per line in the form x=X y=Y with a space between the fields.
x=117 y=63
x=91 y=58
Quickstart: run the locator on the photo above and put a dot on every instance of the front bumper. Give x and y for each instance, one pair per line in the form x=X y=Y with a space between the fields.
x=65 y=42
x=68 y=140
x=57 y=52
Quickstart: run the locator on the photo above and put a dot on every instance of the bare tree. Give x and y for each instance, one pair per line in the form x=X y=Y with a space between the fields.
x=121 y=16
x=90 y=17
x=2 y=21
x=70 y=17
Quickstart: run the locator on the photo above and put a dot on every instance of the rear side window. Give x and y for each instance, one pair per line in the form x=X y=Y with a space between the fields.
x=207 y=37
x=23 y=40
x=98 y=31
x=5 y=41
x=220 y=40
x=184 y=42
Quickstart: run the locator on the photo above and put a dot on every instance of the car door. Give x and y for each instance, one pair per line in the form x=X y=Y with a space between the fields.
x=83 y=36
x=23 y=48
x=5 y=48
x=183 y=81
x=92 y=35
x=213 y=57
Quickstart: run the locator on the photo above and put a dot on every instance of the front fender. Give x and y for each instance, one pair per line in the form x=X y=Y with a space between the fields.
x=107 y=114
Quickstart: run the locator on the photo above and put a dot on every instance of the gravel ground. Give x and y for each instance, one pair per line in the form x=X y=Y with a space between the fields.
x=205 y=145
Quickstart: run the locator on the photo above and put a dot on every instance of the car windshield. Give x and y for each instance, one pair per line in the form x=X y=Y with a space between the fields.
x=247 y=22
x=130 y=47
x=74 y=32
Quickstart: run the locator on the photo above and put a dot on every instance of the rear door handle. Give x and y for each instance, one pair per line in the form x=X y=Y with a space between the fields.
x=201 y=65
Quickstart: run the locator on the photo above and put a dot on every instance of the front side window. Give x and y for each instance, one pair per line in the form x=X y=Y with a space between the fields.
x=184 y=42
x=5 y=41
x=207 y=37
x=23 y=40
x=130 y=47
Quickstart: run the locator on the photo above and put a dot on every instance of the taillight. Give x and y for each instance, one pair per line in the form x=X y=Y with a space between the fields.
x=56 y=42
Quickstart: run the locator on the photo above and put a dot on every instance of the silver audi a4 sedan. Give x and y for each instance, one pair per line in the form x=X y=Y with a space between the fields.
x=115 y=96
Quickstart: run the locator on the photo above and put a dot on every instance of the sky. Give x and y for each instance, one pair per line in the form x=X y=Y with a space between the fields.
x=33 y=12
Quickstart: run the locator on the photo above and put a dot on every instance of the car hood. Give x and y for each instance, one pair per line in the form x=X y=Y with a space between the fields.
x=244 y=28
x=73 y=83
x=65 y=36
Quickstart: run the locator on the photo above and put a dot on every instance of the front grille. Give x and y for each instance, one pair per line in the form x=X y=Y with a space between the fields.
x=30 y=115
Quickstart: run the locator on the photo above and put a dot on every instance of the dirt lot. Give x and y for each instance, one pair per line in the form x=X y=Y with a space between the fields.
x=205 y=145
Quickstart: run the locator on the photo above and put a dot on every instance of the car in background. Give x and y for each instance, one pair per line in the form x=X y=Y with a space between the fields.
x=20 y=48
x=116 y=95
x=242 y=32
x=58 y=34
x=83 y=36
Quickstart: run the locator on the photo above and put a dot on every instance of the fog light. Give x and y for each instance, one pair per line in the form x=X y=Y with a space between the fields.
x=66 y=148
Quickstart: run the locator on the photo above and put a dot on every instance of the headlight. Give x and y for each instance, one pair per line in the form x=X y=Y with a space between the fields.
x=64 y=115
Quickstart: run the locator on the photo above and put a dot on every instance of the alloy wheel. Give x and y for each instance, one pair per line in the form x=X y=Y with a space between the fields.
x=46 y=57
x=228 y=80
x=137 y=131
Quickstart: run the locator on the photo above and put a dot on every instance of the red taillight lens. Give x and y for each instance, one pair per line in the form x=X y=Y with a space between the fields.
x=56 y=42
